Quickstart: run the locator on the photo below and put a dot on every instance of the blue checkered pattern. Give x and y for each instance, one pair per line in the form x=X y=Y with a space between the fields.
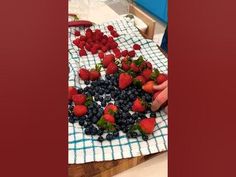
x=83 y=148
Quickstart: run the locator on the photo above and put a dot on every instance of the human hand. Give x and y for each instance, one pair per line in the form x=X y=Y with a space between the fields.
x=162 y=97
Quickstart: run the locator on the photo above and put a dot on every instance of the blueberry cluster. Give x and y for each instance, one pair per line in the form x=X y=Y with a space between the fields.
x=106 y=91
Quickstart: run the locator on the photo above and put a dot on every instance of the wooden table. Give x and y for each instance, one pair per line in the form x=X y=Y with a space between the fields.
x=106 y=168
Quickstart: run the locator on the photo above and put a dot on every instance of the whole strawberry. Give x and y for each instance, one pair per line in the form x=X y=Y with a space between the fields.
x=110 y=109
x=125 y=64
x=147 y=74
x=79 y=99
x=161 y=78
x=109 y=118
x=95 y=73
x=107 y=122
x=80 y=110
x=148 y=87
x=84 y=74
x=112 y=68
x=134 y=67
x=71 y=91
x=147 y=125
x=139 y=80
x=139 y=105
x=107 y=60
x=125 y=80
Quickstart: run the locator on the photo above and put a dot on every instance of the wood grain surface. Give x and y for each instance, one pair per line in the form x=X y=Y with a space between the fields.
x=107 y=168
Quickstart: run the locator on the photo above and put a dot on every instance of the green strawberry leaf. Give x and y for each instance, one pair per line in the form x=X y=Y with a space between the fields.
x=89 y=100
x=137 y=83
x=139 y=61
x=154 y=74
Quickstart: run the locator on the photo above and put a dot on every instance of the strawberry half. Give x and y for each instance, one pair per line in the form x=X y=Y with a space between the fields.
x=125 y=80
x=139 y=105
x=80 y=110
x=147 y=125
x=84 y=74
x=79 y=99
x=71 y=91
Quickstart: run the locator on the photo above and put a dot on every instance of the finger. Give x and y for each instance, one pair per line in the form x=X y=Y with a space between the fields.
x=160 y=99
x=166 y=110
x=161 y=86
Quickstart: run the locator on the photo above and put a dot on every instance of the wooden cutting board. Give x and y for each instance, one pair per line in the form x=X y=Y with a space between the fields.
x=107 y=168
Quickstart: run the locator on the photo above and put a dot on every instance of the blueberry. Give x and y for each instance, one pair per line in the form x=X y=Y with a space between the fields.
x=144 y=137
x=128 y=134
x=69 y=113
x=93 y=130
x=109 y=136
x=86 y=82
x=80 y=90
x=100 y=132
x=100 y=92
x=108 y=98
x=108 y=77
x=96 y=97
x=103 y=103
x=100 y=139
x=71 y=120
x=107 y=91
x=135 y=116
x=153 y=114
x=134 y=134
x=100 y=98
x=87 y=131
x=115 y=134
x=81 y=122
x=148 y=98
x=94 y=120
x=94 y=111
x=69 y=102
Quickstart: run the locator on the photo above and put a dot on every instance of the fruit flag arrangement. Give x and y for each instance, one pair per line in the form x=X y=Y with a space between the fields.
x=110 y=98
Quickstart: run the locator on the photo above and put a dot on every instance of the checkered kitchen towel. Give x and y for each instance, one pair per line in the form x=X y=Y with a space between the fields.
x=83 y=148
